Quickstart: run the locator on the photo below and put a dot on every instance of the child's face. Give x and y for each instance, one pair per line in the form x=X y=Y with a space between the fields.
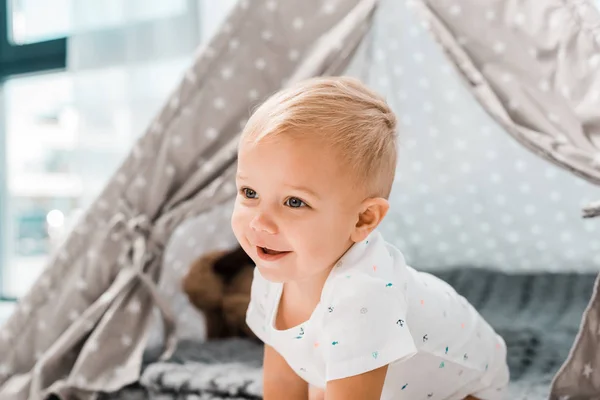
x=294 y=198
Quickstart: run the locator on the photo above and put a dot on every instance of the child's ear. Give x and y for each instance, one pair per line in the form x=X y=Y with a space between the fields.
x=372 y=212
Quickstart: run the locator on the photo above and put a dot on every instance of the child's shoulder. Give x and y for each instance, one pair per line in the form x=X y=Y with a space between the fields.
x=372 y=274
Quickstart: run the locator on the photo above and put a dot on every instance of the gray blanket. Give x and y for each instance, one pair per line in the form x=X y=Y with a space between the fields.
x=538 y=315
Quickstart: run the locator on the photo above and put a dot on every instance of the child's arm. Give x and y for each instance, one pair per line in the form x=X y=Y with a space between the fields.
x=279 y=380
x=367 y=386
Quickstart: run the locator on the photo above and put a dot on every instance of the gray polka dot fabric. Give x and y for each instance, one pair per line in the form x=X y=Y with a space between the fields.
x=466 y=193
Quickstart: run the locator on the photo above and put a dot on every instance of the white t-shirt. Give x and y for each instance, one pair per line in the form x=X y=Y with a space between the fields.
x=376 y=310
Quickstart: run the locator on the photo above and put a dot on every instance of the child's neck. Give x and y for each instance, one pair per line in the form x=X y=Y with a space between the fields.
x=299 y=299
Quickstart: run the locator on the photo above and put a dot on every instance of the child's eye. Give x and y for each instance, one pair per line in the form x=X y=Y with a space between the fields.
x=249 y=193
x=294 y=202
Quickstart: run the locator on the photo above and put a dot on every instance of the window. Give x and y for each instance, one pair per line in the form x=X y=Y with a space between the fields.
x=65 y=132
x=18 y=56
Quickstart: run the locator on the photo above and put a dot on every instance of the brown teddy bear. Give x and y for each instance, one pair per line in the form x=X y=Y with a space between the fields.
x=218 y=284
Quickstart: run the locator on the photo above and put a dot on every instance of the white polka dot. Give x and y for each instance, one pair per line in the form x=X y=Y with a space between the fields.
x=455 y=9
x=406 y=120
x=211 y=133
x=408 y=220
x=544 y=86
x=140 y=181
x=496 y=178
x=429 y=209
x=329 y=7
x=520 y=165
x=450 y=199
x=450 y=96
x=443 y=178
x=433 y=131
x=383 y=81
x=507 y=219
x=471 y=253
x=499 y=47
x=234 y=44
x=298 y=23
x=462 y=40
x=271 y=5
x=219 y=103
x=415 y=238
x=226 y=73
x=443 y=247
x=260 y=64
x=456 y=220
x=533 y=53
x=485 y=227
x=465 y=168
x=423 y=188
x=446 y=69
x=176 y=141
x=524 y=188
x=472 y=189
x=418 y=57
x=525 y=264
x=436 y=229
x=460 y=144
x=477 y=208
x=253 y=94
x=491 y=154
x=560 y=217
x=463 y=238
x=424 y=83
x=490 y=15
x=566 y=236
x=530 y=209
x=589 y=226
x=536 y=230
x=491 y=243
x=266 y=35
x=555 y=196
x=398 y=70
x=428 y=107
x=417 y=166
x=519 y=19
x=414 y=31
x=293 y=54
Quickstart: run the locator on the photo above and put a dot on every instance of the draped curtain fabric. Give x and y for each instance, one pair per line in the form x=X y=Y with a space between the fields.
x=83 y=326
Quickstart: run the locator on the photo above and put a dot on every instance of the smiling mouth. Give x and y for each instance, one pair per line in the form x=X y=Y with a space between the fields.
x=269 y=254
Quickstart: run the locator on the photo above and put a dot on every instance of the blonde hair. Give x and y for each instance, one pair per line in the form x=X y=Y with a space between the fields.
x=345 y=113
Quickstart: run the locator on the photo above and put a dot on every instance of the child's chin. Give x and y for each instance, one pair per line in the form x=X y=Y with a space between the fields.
x=274 y=275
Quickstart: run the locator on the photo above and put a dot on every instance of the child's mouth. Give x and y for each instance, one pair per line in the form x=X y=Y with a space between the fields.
x=270 y=254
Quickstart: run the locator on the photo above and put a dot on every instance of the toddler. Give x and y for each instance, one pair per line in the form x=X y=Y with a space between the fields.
x=336 y=305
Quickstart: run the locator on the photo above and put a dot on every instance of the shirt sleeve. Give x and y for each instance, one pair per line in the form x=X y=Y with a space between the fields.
x=365 y=327
x=257 y=313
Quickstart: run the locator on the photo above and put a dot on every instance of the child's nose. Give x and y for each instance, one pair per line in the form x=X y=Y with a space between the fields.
x=262 y=223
